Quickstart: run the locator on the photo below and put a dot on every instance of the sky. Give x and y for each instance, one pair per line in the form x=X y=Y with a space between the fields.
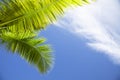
x=85 y=43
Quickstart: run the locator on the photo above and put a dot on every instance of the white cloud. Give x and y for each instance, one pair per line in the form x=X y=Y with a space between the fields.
x=98 y=22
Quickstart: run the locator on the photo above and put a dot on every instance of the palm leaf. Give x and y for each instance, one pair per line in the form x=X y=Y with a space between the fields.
x=32 y=14
x=30 y=48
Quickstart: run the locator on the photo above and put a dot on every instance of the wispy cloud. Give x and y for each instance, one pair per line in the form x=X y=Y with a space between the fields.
x=99 y=23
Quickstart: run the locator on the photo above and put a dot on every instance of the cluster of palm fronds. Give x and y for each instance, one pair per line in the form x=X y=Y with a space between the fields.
x=19 y=21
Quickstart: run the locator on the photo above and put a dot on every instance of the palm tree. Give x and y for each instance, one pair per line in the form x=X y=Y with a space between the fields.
x=20 y=20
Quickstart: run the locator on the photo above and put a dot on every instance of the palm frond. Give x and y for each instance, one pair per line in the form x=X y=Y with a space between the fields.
x=32 y=14
x=30 y=48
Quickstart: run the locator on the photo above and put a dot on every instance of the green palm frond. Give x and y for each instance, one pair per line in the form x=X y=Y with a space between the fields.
x=20 y=18
x=32 y=14
x=30 y=48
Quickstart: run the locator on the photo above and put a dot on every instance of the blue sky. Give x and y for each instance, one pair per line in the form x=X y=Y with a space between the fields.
x=76 y=58
x=73 y=60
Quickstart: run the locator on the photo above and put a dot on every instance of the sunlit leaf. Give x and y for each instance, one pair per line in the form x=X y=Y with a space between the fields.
x=30 y=48
x=32 y=14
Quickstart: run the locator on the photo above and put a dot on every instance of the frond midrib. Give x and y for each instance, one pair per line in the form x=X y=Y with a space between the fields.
x=32 y=47
x=28 y=14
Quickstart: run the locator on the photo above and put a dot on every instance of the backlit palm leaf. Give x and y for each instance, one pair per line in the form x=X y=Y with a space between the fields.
x=32 y=14
x=30 y=48
x=19 y=19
